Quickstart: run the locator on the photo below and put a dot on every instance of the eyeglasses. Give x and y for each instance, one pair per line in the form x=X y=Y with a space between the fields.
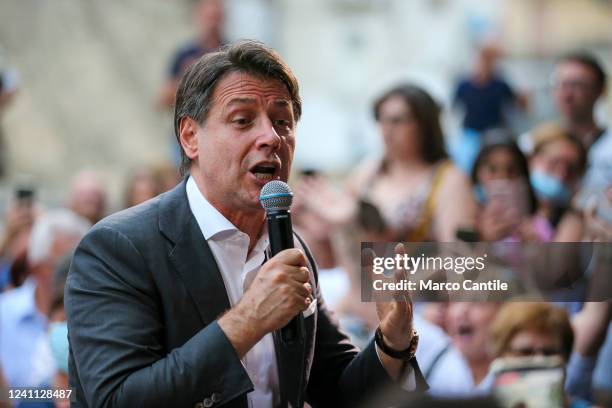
x=395 y=120
x=571 y=84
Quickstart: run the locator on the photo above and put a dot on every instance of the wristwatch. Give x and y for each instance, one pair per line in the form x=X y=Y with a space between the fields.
x=405 y=355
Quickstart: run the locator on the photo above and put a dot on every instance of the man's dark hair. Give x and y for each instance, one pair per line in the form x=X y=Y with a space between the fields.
x=427 y=114
x=196 y=88
x=590 y=61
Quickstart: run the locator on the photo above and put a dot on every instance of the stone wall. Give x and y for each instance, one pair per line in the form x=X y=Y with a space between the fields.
x=89 y=72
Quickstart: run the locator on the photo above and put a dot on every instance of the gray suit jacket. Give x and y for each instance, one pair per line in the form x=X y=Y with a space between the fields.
x=142 y=298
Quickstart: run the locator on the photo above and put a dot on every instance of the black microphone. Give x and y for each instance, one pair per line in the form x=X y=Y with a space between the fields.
x=276 y=198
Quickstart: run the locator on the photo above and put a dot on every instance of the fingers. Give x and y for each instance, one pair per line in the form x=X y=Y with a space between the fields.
x=300 y=285
x=297 y=278
x=299 y=274
x=288 y=267
x=291 y=257
x=367 y=262
x=304 y=290
x=297 y=296
x=401 y=251
x=400 y=274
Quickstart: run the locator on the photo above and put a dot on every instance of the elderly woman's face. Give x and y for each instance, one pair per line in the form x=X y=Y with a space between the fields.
x=399 y=128
x=528 y=342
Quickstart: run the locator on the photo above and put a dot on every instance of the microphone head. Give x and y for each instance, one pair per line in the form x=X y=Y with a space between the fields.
x=276 y=196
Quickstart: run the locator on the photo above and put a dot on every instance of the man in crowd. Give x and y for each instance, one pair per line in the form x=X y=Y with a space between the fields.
x=579 y=81
x=24 y=309
x=87 y=196
x=485 y=95
x=485 y=99
x=175 y=302
x=208 y=17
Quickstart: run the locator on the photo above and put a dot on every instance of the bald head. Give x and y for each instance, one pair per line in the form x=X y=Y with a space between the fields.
x=87 y=196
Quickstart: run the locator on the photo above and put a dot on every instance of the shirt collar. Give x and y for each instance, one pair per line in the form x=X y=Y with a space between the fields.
x=209 y=219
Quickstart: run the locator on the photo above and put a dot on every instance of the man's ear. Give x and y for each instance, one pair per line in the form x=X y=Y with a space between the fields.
x=188 y=131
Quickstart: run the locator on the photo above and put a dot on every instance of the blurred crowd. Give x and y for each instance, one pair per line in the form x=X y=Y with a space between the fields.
x=550 y=184
x=36 y=246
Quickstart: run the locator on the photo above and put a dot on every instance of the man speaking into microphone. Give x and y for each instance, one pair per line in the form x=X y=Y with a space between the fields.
x=175 y=303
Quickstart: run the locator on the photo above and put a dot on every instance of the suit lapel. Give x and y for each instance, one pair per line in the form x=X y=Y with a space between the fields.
x=191 y=255
x=196 y=265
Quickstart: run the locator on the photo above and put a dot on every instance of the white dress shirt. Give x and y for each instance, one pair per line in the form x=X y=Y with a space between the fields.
x=238 y=268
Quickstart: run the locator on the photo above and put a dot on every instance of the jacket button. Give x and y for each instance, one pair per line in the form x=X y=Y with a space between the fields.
x=216 y=397
x=208 y=402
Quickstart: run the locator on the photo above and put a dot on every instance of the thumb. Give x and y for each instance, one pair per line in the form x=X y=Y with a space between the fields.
x=367 y=274
x=400 y=250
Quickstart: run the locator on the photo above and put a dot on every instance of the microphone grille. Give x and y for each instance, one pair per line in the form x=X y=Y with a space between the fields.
x=276 y=195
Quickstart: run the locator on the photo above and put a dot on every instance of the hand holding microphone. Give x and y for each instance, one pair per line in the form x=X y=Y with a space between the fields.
x=276 y=198
x=281 y=290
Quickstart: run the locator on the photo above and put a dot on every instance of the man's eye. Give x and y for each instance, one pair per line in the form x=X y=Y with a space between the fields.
x=240 y=121
x=282 y=123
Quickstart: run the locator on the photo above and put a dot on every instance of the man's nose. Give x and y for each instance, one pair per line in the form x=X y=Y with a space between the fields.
x=267 y=136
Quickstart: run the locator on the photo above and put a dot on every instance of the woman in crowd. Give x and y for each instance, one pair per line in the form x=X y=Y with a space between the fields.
x=530 y=329
x=556 y=167
x=539 y=330
x=501 y=186
x=419 y=194
x=509 y=188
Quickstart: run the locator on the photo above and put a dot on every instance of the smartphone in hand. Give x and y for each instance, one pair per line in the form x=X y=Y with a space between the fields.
x=529 y=381
x=24 y=196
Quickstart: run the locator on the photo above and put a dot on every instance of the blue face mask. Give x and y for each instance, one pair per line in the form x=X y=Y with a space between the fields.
x=479 y=194
x=58 y=340
x=549 y=188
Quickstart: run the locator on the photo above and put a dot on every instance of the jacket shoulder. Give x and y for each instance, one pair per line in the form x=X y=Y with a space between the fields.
x=132 y=222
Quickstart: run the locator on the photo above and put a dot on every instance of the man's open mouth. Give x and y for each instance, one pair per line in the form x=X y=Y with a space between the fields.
x=265 y=171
